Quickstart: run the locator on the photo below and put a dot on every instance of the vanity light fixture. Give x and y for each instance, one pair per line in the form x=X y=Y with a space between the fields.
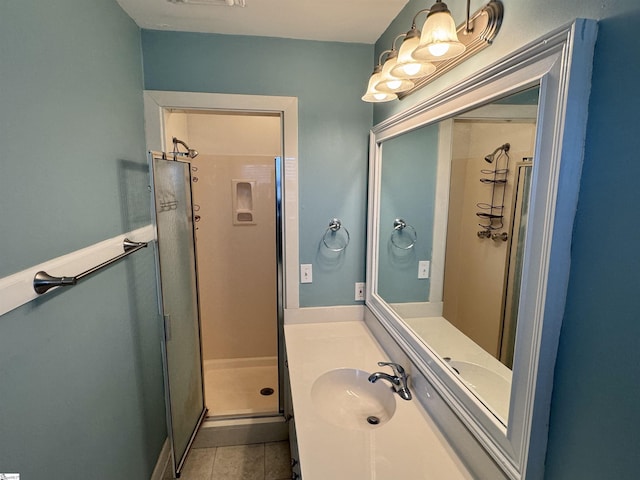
x=389 y=82
x=372 y=94
x=406 y=66
x=439 y=39
x=439 y=47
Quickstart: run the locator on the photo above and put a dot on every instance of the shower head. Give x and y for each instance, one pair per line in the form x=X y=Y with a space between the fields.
x=191 y=153
x=491 y=157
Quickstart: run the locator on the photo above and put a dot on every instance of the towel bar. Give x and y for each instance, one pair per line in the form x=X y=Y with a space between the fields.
x=42 y=281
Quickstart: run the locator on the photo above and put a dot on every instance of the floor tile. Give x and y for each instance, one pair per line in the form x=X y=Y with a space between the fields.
x=199 y=464
x=277 y=461
x=241 y=462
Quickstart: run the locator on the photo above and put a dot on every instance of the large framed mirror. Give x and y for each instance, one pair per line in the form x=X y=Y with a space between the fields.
x=471 y=205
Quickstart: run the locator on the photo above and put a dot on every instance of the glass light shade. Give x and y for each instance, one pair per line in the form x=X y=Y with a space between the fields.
x=408 y=67
x=389 y=83
x=373 y=95
x=439 y=39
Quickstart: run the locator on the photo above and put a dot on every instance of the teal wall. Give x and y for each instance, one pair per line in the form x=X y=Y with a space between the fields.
x=407 y=191
x=80 y=372
x=593 y=431
x=80 y=369
x=333 y=129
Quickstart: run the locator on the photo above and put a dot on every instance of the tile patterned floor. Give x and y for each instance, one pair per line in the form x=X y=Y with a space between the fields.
x=261 y=461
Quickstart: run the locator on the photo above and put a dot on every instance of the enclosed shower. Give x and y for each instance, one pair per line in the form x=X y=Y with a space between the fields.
x=234 y=169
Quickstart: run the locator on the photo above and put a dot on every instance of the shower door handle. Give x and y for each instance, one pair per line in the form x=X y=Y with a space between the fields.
x=167 y=327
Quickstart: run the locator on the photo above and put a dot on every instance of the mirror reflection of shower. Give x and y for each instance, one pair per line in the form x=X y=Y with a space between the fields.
x=191 y=153
x=481 y=290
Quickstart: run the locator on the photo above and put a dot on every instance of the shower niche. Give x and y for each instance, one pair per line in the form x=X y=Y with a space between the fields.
x=243 y=213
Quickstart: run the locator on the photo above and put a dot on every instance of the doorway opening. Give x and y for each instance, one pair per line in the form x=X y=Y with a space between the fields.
x=249 y=425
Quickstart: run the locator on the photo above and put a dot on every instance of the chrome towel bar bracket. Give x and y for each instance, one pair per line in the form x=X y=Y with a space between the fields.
x=43 y=282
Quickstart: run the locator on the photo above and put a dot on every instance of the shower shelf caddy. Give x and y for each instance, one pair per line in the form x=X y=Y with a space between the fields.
x=492 y=212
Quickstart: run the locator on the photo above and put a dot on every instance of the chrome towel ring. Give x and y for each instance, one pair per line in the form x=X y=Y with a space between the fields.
x=334 y=226
x=399 y=226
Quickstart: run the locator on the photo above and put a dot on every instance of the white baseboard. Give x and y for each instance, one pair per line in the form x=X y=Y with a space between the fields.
x=214 y=364
x=163 y=462
x=339 y=313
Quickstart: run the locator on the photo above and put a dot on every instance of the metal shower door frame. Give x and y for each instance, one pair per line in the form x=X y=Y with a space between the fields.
x=178 y=454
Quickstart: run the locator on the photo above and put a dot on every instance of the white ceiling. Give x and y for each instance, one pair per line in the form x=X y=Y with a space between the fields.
x=360 y=21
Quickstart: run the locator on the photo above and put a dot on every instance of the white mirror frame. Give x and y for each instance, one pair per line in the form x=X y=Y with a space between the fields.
x=560 y=63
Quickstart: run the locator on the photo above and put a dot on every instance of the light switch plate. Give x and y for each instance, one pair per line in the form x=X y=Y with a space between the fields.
x=359 y=291
x=306 y=273
x=423 y=268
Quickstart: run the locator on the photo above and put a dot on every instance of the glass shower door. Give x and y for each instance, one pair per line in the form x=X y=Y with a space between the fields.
x=181 y=350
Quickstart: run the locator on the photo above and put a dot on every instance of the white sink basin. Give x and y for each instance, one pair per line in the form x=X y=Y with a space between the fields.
x=346 y=398
x=488 y=385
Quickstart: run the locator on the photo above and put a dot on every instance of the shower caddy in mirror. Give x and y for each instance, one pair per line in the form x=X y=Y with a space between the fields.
x=493 y=213
x=335 y=225
x=560 y=65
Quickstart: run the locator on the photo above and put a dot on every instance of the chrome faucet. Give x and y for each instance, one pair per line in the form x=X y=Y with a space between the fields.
x=399 y=379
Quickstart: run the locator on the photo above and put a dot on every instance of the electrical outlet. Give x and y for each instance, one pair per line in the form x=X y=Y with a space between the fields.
x=423 y=268
x=306 y=273
x=360 y=290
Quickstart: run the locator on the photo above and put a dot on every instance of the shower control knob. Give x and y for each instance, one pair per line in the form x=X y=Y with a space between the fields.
x=500 y=236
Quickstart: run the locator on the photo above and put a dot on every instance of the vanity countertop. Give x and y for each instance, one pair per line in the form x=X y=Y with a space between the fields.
x=407 y=446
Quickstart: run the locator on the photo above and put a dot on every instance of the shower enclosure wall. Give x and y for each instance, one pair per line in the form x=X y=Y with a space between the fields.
x=234 y=195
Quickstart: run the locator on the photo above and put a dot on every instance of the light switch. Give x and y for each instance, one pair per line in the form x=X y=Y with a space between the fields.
x=306 y=273
x=359 y=291
x=423 y=268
